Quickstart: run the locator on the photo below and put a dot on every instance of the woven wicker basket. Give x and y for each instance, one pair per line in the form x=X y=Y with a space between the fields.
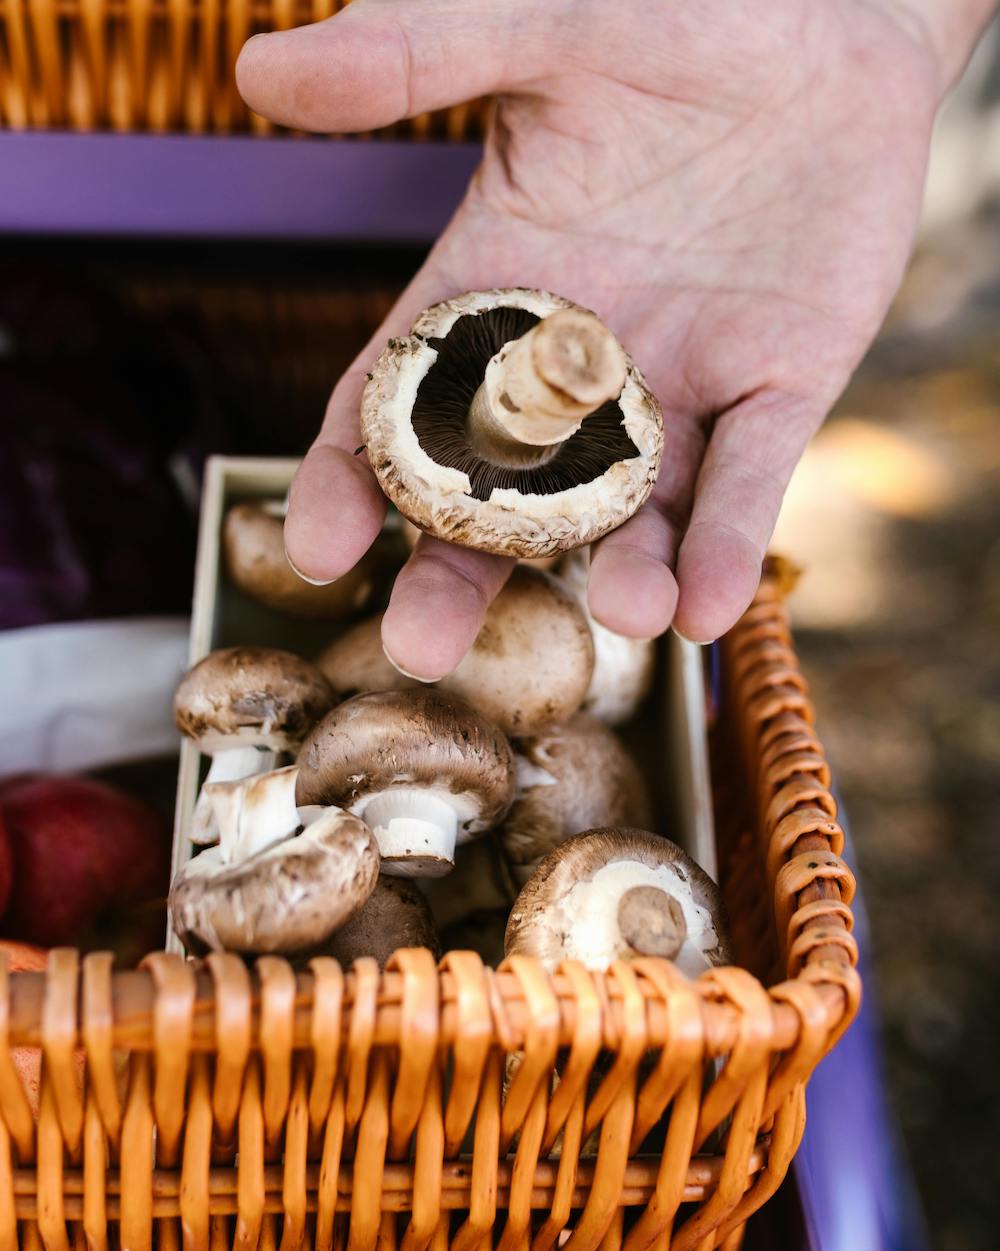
x=219 y=1108
x=158 y=65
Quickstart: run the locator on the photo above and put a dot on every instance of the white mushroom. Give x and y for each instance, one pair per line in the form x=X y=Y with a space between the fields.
x=512 y=422
x=574 y=777
x=280 y=880
x=623 y=667
x=422 y=768
x=243 y=706
x=616 y=894
x=254 y=545
x=529 y=667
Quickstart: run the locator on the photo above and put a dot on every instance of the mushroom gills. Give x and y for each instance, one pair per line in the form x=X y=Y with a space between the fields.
x=594 y=934
x=415 y=829
x=231 y=764
x=538 y=388
x=446 y=404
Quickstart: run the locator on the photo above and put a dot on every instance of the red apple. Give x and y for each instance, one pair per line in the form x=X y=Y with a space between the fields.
x=78 y=850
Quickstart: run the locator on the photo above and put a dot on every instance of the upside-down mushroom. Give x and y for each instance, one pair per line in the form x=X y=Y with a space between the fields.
x=615 y=894
x=511 y=421
x=280 y=880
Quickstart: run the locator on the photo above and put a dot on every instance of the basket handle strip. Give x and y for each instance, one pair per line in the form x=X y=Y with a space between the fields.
x=418 y=1046
x=572 y=1083
x=232 y=1031
x=471 y=1046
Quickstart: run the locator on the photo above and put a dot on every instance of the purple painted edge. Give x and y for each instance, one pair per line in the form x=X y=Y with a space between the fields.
x=230 y=186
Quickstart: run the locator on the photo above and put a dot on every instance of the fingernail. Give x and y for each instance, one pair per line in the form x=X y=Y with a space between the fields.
x=405 y=672
x=687 y=639
x=305 y=577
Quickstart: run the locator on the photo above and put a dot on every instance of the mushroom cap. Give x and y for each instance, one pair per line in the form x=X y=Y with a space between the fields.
x=289 y=897
x=411 y=533
x=573 y=777
x=355 y=662
x=250 y=696
x=254 y=545
x=533 y=658
x=418 y=739
x=569 y=908
x=395 y=915
x=529 y=667
x=623 y=667
x=413 y=418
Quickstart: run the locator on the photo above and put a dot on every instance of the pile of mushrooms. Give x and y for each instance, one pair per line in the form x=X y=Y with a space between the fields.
x=351 y=810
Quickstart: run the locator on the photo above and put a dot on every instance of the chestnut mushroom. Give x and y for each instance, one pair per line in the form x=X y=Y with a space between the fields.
x=529 y=668
x=422 y=768
x=615 y=894
x=511 y=421
x=573 y=777
x=254 y=545
x=280 y=880
x=395 y=915
x=243 y=706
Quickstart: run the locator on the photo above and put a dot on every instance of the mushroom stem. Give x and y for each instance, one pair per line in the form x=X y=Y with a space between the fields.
x=254 y=813
x=229 y=765
x=652 y=922
x=539 y=388
x=415 y=832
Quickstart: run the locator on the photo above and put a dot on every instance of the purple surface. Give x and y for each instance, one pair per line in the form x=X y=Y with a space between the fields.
x=235 y=186
x=854 y=1184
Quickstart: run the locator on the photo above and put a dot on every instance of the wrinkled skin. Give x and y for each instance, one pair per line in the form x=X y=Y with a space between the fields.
x=732 y=186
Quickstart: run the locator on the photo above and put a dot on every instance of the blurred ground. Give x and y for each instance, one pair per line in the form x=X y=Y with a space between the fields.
x=895 y=514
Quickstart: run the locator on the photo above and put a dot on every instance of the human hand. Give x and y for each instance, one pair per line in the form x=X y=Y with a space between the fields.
x=733 y=188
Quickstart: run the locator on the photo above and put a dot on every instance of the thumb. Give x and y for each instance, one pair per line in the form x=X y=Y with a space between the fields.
x=378 y=61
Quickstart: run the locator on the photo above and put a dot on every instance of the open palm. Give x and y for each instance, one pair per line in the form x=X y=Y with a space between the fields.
x=732 y=187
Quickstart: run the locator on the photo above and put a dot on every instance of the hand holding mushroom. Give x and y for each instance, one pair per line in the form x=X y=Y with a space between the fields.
x=678 y=181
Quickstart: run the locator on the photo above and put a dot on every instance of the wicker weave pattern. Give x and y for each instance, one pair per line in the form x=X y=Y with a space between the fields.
x=158 y=65
x=360 y=1110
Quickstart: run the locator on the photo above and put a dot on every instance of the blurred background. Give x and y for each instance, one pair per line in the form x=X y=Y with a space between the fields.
x=123 y=363
x=894 y=513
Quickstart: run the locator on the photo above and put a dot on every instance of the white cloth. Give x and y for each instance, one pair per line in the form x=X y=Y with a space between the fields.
x=88 y=694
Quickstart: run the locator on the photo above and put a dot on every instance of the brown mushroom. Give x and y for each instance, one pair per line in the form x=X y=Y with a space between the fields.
x=273 y=883
x=243 y=706
x=529 y=667
x=411 y=533
x=615 y=894
x=512 y=422
x=623 y=667
x=422 y=768
x=395 y=915
x=355 y=662
x=577 y=776
x=254 y=545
